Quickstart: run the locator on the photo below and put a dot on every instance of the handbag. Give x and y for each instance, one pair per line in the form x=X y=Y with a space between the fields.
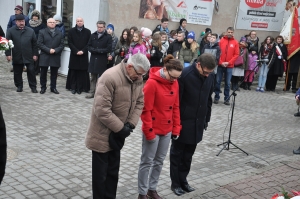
x=240 y=60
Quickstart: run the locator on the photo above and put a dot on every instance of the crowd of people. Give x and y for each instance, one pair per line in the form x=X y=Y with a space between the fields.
x=180 y=75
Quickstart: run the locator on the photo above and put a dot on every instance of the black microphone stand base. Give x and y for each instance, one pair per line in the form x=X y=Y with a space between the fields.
x=226 y=147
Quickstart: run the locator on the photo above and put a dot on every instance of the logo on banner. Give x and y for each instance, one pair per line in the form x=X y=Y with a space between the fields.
x=182 y=5
x=255 y=3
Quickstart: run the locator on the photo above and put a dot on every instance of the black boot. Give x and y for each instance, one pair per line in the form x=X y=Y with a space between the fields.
x=245 y=87
x=249 y=86
x=297 y=151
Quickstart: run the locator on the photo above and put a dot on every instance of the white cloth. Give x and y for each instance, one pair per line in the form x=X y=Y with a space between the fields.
x=236 y=71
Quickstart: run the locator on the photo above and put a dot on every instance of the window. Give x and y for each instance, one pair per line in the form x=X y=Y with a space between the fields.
x=48 y=9
x=28 y=7
x=67 y=16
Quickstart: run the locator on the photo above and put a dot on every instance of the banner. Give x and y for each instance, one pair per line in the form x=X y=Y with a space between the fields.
x=293 y=46
x=263 y=15
x=194 y=11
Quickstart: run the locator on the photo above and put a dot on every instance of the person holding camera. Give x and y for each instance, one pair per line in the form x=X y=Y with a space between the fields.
x=118 y=104
x=161 y=120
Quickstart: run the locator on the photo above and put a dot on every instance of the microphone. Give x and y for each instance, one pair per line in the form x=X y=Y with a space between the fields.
x=262 y=60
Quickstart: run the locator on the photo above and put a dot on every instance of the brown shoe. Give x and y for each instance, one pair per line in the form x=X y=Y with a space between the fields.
x=142 y=197
x=152 y=194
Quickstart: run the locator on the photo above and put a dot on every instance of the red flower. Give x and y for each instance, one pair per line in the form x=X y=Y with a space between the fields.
x=296 y=193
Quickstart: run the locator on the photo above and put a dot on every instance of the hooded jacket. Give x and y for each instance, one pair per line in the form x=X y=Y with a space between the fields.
x=230 y=51
x=213 y=49
x=161 y=113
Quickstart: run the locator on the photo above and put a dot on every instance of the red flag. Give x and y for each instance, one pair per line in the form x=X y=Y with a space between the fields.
x=294 y=46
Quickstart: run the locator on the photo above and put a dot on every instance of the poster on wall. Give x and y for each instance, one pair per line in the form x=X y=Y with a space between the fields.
x=195 y=11
x=264 y=15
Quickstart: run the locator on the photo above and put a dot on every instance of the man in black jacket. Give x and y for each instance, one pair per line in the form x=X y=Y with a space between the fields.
x=25 y=51
x=3 y=147
x=100 y=47
x=176 y=45
x=78 y=77
x=196 y=86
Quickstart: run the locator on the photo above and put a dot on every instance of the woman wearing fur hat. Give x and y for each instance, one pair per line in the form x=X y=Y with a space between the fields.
x=111 y=58
x=240 y=64
x=36 y=24
x=189 y=51
x=123 y=45
x=59 y=24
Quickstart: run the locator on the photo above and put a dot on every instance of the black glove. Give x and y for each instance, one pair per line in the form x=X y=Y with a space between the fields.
x=125 y=132
x=129 y=125
x=205 y=126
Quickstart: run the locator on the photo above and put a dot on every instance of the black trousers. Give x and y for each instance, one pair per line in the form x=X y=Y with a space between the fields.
x=105 y=174
x=53 y=77
x=271 y=82
x=291 y=77
x=180 y=162
x=18 y=71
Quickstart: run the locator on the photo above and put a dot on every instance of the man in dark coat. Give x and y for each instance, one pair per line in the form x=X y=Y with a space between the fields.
x=25 y=52
x=3 y=146
x=196 y=86
x=100 y=45
x=78 y=77
x=176 y=45
x=51 y=43
x=293 y=73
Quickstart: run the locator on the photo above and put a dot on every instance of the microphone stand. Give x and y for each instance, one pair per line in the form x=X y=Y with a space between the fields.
x=228 y=142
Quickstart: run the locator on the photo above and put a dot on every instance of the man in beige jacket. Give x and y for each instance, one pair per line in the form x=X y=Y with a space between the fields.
x=118 y=104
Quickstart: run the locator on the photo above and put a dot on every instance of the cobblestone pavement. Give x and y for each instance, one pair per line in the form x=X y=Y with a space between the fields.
x=47 y=157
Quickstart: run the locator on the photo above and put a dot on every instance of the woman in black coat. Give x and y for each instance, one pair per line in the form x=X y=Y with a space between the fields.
x=3 y=146
x=78 y=79
x=277 y=68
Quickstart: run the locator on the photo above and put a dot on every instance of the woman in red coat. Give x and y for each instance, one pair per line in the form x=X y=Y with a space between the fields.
x=161 y=120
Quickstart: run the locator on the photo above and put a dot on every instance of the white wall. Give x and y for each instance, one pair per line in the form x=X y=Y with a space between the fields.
x=6 y=10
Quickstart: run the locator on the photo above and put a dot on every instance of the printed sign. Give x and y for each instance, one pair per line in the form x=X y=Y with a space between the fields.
x=194 y=11
x=264 y=15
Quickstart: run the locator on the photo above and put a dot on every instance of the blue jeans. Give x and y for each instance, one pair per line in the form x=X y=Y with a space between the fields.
x=228 y=74
x=263 y=71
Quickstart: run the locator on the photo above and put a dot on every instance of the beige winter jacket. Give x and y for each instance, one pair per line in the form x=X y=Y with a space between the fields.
x=117 y=100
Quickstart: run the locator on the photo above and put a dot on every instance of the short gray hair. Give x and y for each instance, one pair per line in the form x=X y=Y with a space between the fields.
x=139 y=60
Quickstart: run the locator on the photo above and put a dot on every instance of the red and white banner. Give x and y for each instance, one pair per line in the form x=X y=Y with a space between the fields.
x=260 y=15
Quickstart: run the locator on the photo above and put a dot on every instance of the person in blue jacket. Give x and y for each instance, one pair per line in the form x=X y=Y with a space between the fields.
x=12 y=19
x=59 y=24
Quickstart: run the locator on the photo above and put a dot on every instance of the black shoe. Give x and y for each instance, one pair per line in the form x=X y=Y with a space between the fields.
x=19 y=89
x=221 y=91
x=227 y=103
x=216 y=101
x=297 y=114
x=43 y=90
x=73 y=92
x=178 y=191
x=294 y=90
x=187 y=188
x=53 y=90
x=79 y=92
x=34 y=90
x=297 y=151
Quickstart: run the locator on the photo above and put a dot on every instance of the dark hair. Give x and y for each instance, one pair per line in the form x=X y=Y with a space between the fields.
x=134 y=28
x=173 y=32
x=101 y=22
x=172 y=64
x=279 y=36
x=182 y=20
x=215 y=35
x=127 y=41
x=251 y=32
x=265 y=41
x=222 y=35
x=164 y=19
x=230 y=28
x=207 y=60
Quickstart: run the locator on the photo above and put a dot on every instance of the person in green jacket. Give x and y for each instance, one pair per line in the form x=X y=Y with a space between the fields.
x=189 y=51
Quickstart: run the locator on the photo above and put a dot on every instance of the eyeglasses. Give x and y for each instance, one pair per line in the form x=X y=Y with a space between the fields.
x=138 y=74
x=205 y=72
x=172 y=77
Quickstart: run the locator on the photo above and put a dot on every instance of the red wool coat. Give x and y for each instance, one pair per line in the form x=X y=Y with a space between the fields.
x=161 y=106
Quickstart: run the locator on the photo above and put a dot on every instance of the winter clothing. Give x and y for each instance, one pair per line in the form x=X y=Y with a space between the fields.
x=191 y=35
x=252 y=44
x=136 y=48
x=156 y=57
x=99 y=49
x=183 y=30
x=110 y=113
x=146 y=32
x=57 y=18
x=2 y=34
x=36 y=25
x=18 y=7
x=249 y=75
x=159 y=28
x=61 y=28
x=214 y=49
x=112 y=53
x=230 y=51
x=12 y=21
x=174 y=48
x=188 y=53
x=111 y=26
x=161 y=112
x=118 y=51
x=3 y=146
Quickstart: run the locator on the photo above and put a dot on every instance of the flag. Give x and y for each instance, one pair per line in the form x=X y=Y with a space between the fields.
x=294 y=45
